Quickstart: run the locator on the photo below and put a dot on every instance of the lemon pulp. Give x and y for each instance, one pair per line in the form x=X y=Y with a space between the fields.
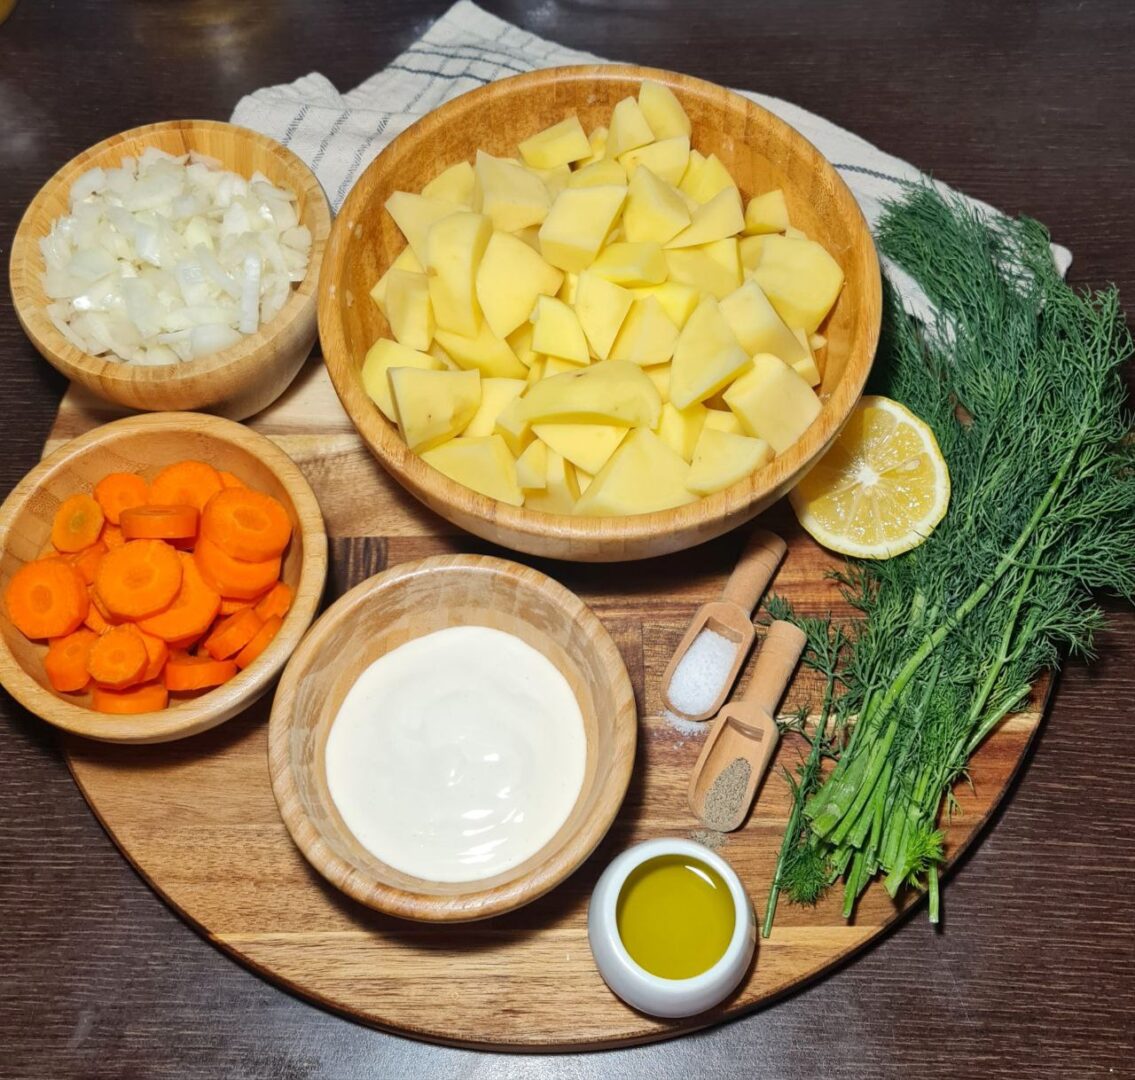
x=881 y=487
x=675 y=916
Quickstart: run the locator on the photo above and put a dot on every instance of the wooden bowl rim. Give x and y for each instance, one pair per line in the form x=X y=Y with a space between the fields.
x=411 y=471
x=478 y=903
x=197 y=714
x=30 y=301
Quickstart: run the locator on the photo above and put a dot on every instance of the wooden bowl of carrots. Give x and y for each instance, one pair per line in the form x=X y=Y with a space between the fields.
x=155 y=575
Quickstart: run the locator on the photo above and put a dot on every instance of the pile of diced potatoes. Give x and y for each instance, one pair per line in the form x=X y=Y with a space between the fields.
x=598 y=326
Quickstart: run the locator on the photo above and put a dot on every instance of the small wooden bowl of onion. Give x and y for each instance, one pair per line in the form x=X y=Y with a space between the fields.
x=186 y=357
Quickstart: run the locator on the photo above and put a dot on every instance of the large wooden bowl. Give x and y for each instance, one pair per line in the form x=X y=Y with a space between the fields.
x=235 y=382
x=761 y=153
x=406 y=602
x=144 y=444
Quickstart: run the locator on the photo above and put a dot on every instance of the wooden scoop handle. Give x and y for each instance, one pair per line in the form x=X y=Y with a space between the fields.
x=780 y=653
x=754 y=570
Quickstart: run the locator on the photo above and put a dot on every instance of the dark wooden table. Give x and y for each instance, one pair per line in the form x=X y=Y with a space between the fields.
x=1028 y=106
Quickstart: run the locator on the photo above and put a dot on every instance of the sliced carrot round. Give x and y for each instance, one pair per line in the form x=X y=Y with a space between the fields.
x=87 y=560
x=118 y=491
x=47 y=599
x=232 y=634
x=157 y=653
x=77 y=523
x=185 y=483
x=230 y=480
x=96 y=619
x=139 y=579
x=148 y=697
x=185 y=673
x=112 y=537
x=230 y=606
x=276 y=601
x=118 y=658
x=231 y=577
x=260 y=642
x=160 y=522
x=247 y=525
x=66 y=660
x=192 y=611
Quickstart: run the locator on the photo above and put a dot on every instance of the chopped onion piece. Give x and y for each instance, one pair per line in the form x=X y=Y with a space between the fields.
x=165 y=259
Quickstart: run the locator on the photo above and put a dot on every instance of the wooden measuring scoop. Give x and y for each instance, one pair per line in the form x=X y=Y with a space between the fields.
x=745 y=730
x=731 y=616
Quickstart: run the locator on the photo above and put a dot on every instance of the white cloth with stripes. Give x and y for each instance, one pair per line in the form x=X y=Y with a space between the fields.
x=339 y=134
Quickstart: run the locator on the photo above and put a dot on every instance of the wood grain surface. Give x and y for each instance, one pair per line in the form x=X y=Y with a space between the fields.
x=220 y=835
x=1024 y=104
x=761 y=153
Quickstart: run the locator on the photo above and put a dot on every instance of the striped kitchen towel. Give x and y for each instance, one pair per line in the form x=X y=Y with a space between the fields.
x=339 y=134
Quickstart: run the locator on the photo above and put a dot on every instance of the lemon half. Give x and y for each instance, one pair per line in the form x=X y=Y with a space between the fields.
x=881 y=487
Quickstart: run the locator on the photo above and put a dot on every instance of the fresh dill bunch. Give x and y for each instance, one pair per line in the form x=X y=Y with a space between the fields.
x=1019 y=377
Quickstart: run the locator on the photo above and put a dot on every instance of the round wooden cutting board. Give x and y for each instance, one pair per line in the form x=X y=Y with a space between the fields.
x=198 y=820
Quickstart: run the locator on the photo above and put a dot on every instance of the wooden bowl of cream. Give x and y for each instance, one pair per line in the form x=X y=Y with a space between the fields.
x=405 y=606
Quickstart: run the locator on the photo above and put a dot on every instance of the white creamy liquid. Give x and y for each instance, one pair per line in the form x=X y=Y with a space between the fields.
x=457 y=755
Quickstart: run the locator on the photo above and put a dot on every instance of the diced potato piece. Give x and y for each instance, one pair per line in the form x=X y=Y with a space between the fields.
x=405 y=260
x=510 y=195
x=537 y=370
x=583 y=479
x=485 y=352
x=795 y=233
x=706 y=357
x=721 y=459
x=647 y=336
x=559 y=144
x=705 y=178
x=416 y=215
x=481 y=463
x=554 y=180
x=598 y=173
x=717 y=219
x=557 y=331
x=679 y=428
x=655 y=211
x=587 y=445
x=643 y=475
x=758 y=327
x=677 y=300
x=767 y=213
x=721 y=420
x=529 y=235
x=432 y=406
x=597 y=140
x=662 y=110
x=607 y=392
x=383 y=355
x=495 y=395
x=509 y=279
x=659 y=374
x=800 y=278
x=567 y=289
x=408 y=309
x=817 y=342
x=773 y=402
x=520 y=342
x=631 y=264
x=578 y=224
x=453 y=253
x=532 y=467
x=555 y=365
x=446 y=361
x=454 y=185
x=514 y=428
x=601 y=306
x=667 y=159
x=713 y=268
x=629 y=129
x=751 y=249
x=561 y=489
x=805 y=365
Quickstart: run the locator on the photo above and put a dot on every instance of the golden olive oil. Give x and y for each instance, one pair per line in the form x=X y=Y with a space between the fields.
x=675 y=916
